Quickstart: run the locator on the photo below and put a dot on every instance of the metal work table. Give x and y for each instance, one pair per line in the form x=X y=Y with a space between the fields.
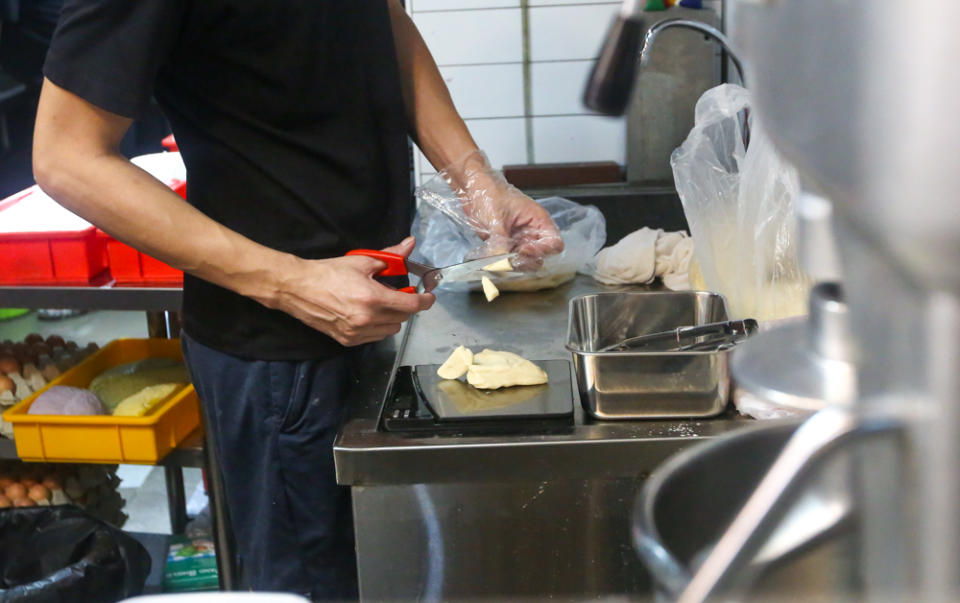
x=499 y=516
x=101 y=294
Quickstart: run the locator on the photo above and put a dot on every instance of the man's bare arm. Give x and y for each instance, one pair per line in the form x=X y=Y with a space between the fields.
x=435 y=125
x=505 y=217
x=77 y=162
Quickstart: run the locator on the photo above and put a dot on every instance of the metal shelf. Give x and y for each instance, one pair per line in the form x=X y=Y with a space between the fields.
x=105 y=294
x=99 y=295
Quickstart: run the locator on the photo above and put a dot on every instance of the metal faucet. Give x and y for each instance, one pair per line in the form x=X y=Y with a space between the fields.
x=614 y=73
x=707 y=30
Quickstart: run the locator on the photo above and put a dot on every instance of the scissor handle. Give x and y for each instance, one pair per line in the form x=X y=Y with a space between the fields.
x=396 y=264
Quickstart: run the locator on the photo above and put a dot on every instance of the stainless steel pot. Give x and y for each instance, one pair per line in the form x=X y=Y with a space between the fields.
x=689 y=502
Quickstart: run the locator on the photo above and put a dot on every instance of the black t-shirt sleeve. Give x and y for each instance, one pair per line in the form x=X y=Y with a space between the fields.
x=108 y=52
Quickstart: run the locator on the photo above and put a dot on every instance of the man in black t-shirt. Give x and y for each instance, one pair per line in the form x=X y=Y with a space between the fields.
x=292 y=118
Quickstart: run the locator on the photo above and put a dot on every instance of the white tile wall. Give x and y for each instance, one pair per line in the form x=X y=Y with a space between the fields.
x=504 y=140
x=557 y=87
x=479 y=47
x=559 y=33
x=424 y=5
x=486 y=90
x=471 y=37
x=579 y=138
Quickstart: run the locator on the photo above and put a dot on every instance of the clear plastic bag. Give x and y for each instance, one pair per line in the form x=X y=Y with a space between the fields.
x=450 y=231
x=739 y=202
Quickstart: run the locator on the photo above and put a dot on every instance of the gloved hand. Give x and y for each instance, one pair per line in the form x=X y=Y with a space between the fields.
x=505 y=218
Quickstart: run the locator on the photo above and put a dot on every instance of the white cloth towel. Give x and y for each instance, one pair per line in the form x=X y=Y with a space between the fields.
x=644 y=255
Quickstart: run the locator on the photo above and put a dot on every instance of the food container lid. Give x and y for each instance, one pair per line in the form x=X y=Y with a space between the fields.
x=32 y=211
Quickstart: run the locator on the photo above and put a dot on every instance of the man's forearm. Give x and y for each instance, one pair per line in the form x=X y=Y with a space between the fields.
x=105 y=188
x=435 y=125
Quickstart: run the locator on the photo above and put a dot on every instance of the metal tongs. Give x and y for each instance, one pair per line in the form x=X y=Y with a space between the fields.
x=709 y=337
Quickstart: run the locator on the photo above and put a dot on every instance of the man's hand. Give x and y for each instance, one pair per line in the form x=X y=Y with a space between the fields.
x=510 y=221
x=340 y=297
x=505 y=218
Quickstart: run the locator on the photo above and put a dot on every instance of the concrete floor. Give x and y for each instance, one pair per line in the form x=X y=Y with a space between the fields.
x=143 y=487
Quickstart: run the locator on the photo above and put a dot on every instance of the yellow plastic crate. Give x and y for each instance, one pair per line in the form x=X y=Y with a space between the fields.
x=105 y=438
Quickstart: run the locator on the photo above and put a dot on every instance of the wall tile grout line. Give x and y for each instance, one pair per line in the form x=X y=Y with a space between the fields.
x=527 y=81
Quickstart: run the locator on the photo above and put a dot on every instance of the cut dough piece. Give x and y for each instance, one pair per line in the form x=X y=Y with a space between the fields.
x=503 y=265
x=492 y=369
x=489 y=289
x=457 y=364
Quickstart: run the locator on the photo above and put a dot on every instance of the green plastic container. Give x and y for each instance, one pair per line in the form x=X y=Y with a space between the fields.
x=191 y=565
x=8 y=313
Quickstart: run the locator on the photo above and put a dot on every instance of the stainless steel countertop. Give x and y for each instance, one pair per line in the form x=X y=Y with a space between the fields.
x=533 y=325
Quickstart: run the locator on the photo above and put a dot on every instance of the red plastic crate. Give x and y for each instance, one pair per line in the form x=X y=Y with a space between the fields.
x=42 y=243
x=170 y=143
x=129 y=266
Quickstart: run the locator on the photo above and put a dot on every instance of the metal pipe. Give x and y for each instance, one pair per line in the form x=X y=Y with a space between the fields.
x=705 y=29
x=176 y=498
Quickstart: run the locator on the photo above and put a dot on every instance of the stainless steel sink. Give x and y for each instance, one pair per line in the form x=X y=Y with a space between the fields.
x=626 y=207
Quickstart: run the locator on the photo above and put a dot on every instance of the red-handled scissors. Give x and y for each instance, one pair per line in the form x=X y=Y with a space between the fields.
x=430 y=277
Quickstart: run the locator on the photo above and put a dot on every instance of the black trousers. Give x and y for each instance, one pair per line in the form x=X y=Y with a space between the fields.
x=274 y=424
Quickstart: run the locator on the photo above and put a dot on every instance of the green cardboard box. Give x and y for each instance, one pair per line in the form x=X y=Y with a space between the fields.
x=191 y=565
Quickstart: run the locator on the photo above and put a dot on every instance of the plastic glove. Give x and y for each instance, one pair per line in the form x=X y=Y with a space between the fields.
x=505 y=218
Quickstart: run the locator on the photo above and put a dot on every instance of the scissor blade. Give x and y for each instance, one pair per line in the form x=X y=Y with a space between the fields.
x=471 y=271
x=467 y=271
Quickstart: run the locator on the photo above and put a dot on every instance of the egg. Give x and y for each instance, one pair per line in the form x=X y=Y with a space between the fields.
x=4 y=482
x=7 y=385
x=33 y=338
x=50 y=371
x=9 y=364
x=52 y=482
x=5 y=502
x=15 y=491
x=39 y=493
x=24 y=502
x=28 y=482
x=55 y=340
x=37 y=349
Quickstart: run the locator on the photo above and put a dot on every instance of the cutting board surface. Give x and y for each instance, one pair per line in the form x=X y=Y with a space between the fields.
x=455 y=400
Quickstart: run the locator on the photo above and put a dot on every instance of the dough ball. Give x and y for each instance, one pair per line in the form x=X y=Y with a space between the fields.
x=63 y=400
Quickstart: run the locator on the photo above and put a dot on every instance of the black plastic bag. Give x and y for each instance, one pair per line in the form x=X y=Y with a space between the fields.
x=62 y=554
